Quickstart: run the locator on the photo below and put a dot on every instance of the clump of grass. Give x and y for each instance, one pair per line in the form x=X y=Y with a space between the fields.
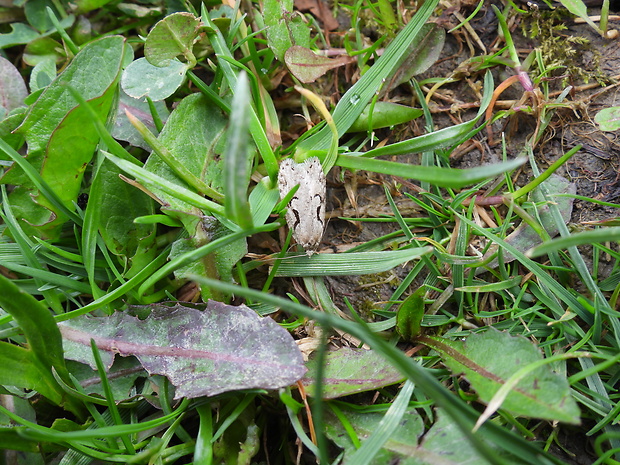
x=170 y=214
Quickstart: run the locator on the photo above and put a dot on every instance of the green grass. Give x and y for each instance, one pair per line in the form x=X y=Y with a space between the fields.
x=496 y=343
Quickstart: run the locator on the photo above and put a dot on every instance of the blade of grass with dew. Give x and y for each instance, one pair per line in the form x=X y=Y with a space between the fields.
x=359 y=95
x=238 y=157
x=446 y=137
x=345 y=264
x=460 y=412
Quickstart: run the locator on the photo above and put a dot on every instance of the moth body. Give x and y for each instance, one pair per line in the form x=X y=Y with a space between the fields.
x=306 y=210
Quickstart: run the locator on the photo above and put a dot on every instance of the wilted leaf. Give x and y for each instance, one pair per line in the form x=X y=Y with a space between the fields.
x=489 y=359
x=348 y=371
x=60 y=144
x=203 y=353
x=423 y=53
x=307 y=66
x=320 y=10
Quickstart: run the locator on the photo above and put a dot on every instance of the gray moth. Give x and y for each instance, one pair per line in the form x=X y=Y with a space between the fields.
x=306 y=210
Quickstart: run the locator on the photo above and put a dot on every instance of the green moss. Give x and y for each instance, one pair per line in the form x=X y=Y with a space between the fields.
x=561 y=52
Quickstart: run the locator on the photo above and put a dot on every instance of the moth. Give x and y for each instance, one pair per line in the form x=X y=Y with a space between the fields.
x=306 y=210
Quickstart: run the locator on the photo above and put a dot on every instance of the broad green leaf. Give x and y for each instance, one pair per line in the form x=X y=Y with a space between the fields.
x=349 y=371
x=44 y=49
x=20 y=34
x=20 y=368
x=203 y=353
x=490 y=358
x=442 y=177
x=116 y=204
x=307 y=66
x=43 y=74
x=12 y=87
x=36 y=322
x=172 y=36
x=344 y=264
x=384 y=114
x=37 y=16
x=285 y=27
x=44 y=342
x=9 y=139
x=91 y=73
x=142 y=79
x=199 y=151
x=409 y=315
x=60 y=145
x=608 y=119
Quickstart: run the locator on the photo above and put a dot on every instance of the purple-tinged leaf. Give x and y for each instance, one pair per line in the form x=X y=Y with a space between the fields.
x=349 y=371
x=203 y=353
x=12 y=87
